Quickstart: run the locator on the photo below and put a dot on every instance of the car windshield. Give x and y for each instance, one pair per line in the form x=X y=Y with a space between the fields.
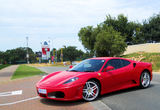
x=89 y=65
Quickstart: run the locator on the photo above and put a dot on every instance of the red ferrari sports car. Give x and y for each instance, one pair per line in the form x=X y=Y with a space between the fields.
x=93 y=77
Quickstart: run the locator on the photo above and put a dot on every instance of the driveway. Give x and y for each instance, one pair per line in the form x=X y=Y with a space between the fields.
x=133 y=98
x=21 y=94
x=129 y=99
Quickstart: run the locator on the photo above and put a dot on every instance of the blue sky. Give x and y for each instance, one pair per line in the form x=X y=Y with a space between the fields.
x=60 y=20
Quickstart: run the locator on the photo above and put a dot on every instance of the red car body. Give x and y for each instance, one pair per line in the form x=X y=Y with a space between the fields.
x=122 y=78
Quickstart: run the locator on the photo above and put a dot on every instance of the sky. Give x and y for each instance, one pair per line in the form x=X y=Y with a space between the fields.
x=59 y=21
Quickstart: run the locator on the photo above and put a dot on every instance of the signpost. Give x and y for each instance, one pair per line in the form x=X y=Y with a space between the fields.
x=45 y=51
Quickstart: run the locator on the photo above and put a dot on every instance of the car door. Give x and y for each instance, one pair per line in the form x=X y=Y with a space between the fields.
x=115 y=78
x=127 y=69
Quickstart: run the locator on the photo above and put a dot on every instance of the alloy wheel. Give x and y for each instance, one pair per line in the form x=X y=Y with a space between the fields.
x=90 y=91
x=145 y=79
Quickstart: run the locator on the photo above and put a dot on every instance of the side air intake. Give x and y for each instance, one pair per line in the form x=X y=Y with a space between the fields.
x=134 y=64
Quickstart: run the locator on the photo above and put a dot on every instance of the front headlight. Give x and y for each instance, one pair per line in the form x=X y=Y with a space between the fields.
x=71 y=80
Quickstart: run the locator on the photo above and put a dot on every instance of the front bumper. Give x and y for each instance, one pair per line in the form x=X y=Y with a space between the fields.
x=65 y=93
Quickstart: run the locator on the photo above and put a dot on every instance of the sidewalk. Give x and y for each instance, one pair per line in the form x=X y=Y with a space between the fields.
x=6 y=73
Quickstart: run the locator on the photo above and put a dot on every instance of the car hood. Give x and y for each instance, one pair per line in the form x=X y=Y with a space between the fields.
x=58 y=79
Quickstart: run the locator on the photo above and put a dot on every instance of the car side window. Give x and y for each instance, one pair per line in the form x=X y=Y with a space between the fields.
x=116 y=63
x=125 y=63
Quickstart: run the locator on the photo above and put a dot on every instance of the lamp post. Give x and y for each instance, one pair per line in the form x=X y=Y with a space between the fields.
x=61 y=55
x=27 y=55
x=46 y=53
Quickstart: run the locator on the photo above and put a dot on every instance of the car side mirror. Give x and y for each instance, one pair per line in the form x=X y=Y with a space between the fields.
x=71 y=66
x=108 y=68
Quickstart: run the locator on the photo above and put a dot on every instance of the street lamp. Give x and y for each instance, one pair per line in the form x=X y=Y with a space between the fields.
x=27 y=55
x=46 y=53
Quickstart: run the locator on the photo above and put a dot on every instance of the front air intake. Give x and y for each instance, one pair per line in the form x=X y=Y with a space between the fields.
x=56 y=94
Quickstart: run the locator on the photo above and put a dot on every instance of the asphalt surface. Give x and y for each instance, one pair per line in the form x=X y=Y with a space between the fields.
x=53 y=69
x=28 y=99
x=133 y=98
x=129 y=99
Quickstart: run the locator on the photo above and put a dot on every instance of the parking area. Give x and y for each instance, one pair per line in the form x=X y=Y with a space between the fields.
x=28 y=99
x=21 y=94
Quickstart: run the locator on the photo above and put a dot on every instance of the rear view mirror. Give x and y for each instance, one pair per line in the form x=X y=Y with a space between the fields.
x=108 y=68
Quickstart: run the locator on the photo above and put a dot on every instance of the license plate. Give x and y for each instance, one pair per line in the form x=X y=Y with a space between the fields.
x=42 y=91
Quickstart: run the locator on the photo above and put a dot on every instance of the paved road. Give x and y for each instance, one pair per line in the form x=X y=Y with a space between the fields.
x=52 y=69
x=134 y=98
x=129 y=99
x=29 y=100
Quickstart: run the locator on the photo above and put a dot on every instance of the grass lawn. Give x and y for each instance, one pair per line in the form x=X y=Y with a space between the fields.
x=153 y=58
x=3 y=66
x=26 y=71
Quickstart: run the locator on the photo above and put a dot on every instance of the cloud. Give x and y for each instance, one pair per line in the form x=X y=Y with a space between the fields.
x=40 y=19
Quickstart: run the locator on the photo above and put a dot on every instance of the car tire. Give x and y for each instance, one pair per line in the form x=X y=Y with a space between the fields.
x=145 y=79
x=91 y=90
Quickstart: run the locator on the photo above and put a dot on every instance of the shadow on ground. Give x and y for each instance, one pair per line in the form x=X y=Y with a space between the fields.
x=78 y=102
x=124 y=91
x=61 y=103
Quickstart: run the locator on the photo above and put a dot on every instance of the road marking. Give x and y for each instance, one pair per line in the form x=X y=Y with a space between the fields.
x=99 y=105
x=18 y=92
x=11 y=103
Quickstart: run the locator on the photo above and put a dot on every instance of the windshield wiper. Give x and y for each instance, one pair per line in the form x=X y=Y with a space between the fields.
x=74 y=70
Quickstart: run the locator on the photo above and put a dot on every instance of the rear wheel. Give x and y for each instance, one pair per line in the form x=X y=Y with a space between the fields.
x=91 y=90
x=145 y=79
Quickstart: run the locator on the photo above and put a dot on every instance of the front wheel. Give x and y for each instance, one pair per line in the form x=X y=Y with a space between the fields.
x=91 y=90
x=145 y=79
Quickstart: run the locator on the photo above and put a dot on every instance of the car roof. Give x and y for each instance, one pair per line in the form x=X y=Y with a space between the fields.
x=106 y=58
x=101 y=58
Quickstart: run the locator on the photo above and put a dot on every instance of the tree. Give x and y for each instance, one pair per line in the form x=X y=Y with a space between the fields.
x=151 y=29
x=91 y=38
x=87 y=37
x=1 y=57
x=17 y=55
x=109 y=42
x=86 y=55
x=70 y=53
x=126 y=28
x=32 y=55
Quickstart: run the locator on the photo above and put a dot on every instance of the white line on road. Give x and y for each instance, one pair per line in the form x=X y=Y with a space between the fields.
x=11 y=103
x=18 y=92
